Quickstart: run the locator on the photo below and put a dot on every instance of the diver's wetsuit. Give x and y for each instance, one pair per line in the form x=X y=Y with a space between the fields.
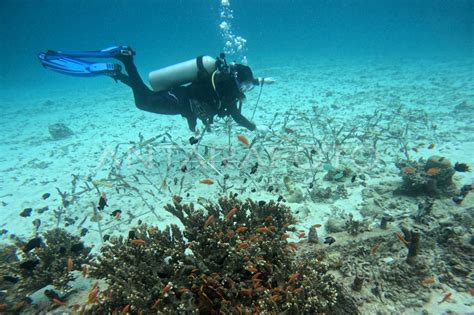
x=197 y=100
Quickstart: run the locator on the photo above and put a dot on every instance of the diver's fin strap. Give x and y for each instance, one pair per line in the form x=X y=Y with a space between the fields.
x=110 y=52
x=77 y=67
x=202 y=72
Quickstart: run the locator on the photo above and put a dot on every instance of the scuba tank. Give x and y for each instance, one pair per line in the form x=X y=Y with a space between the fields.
x=181 y=73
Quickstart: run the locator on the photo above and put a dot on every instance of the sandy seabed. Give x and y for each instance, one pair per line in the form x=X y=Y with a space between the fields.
x=137 y=158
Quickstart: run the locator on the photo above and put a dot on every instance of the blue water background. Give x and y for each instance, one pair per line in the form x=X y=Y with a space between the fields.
x=277 y=32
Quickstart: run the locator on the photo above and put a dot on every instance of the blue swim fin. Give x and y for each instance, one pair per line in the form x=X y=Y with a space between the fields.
x=111 y=52
x=56 y=61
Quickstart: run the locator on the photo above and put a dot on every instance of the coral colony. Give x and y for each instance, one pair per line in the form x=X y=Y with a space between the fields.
x=235 y=254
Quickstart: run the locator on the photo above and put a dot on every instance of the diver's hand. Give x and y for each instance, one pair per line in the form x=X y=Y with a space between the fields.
x=262 y=81
x=269 y=80
x=262 y=130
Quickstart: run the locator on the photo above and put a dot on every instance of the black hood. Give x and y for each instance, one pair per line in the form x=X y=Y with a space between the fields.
x=244 y=73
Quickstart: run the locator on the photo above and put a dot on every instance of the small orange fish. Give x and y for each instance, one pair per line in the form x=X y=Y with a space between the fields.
x=183 y=290
x=433 y=171
x=401 y=238
x=230 y=213
x=125 y=309
x=241 y=229
x=243 y=245
x=445 y=298
x=471 y=291
x=18 y=306
x=374 y=249
x=284 y=236
x=230 y=233
x=409 y=170
x=251 y=269
x=431 y=146
x=92 y=297
x=167 y=288
x=58 y=302
x=117 y=215
x=298 y=290
x=70 y=264
x=255 y=276
x=138 y=242
x=209 y=220
x=292 y=277
x=274 y=298
x=316 y=225
x=292 y=245
x=262 y=229
x=75 y=307
x=253 y=237
x=207 y=181
x=247 y=292
x=301 y=235
x=243 y=139
x=269 y=218
x=157 y=303
x=428 y=281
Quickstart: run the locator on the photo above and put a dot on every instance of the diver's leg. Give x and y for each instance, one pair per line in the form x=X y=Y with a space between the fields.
x=164 y=102
x=171 y=102
x=125 y=79
x=141 y=92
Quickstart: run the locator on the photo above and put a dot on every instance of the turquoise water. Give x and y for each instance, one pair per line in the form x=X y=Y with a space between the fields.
x=168 y=31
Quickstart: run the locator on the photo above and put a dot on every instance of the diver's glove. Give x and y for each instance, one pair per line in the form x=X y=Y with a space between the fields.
x=262 y=130
x=262 y=81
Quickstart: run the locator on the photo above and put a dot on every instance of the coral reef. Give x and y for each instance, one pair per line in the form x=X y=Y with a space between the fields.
x=433 y=177
x=295 y=195
x=319 y=194
x=354 y=227
x=7 y=281
x=403 y=262
x=49 y=262
x=334 y=225
x=338 y=174
x=232 y=257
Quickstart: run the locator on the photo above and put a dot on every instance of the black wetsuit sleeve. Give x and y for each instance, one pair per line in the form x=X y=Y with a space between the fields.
x=240 y=119
x=192 y=121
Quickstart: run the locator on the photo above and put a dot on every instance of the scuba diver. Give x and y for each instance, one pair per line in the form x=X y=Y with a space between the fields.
x=200 y=88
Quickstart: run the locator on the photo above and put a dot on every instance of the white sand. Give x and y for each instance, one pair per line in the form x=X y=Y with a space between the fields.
x=103 y=115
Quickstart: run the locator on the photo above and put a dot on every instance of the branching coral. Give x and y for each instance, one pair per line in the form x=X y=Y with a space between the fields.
x=432 y=177
x=51 y=262
x=140 y=268
x=232 y=257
